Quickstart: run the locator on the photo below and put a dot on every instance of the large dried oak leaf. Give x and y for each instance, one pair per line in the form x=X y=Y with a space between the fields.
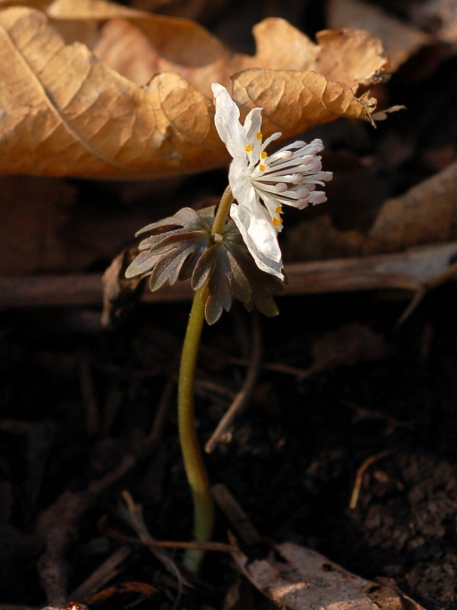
x=67 y=110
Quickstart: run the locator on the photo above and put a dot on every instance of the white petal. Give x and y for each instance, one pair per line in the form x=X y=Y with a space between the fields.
x=253 y=124
x=227 y=121
x=260 y=238
x=240 y=182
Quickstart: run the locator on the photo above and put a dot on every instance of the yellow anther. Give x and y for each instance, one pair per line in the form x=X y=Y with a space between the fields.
x=248 y=148
x=263 y=155
x=262 y=168
x=277 y=222
x=258 y=135
x=278 y=209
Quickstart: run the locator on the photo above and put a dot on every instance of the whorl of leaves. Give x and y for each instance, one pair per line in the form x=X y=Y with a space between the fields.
x=182 y=247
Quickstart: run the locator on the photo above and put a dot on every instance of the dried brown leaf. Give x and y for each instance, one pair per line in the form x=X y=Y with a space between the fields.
x=399 y=39
x=203 y=11
x=83 y=9
x=90 y=9
x=347 y=345
x=66 y=113
x=353 y=57
x=39 y=4
x=305 y=580
x=119 y=294
x=425 y=214
x=296 y=101
x=438 y=16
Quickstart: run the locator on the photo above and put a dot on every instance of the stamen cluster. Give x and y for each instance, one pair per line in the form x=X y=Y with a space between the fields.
x=289 y=177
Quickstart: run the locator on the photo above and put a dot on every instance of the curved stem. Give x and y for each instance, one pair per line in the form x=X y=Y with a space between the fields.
x=222 y=211
x=192 y=456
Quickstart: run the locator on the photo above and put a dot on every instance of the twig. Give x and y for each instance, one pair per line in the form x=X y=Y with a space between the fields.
x=359 y=475
x=143 y=589
x=164 y=544
x=235 y=514
x=103 y=574
x=278 y=368
x=245 y=393
x=430 y=284
x=214 y=388
x=405 y=271
x=362 y=414
x=57 y=524
x=133 y=516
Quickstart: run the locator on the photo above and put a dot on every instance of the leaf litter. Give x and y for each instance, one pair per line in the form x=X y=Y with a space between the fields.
x=65 y=113
x=68 y=124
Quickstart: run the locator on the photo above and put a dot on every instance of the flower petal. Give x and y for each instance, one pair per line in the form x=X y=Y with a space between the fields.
x=240 y=183
x=260 y=237
x=253 y=124
x=227 y=122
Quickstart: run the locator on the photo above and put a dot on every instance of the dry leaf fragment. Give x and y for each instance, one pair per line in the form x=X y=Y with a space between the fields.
x=119 y=294
x=346 y=346
x=66 y=113
x=306 y=580
x=426 y=214
x=404 y=271
x=90 y=9
x=293 y=101
x=438 y=16
x=352 y=57
x=83 y=9
x=157 y=43
x=399 y=39
x=39 y=4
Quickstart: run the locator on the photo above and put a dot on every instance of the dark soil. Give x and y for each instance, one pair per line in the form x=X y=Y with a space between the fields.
x=291 y=460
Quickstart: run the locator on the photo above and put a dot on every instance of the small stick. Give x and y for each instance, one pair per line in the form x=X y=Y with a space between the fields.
x=277 y=368
x=359 y=475
x=103 y=574
x=430 y=284
x=243 y=396
x=57 y=524
x=164 y=544
x=404 y=270
x=235 y=514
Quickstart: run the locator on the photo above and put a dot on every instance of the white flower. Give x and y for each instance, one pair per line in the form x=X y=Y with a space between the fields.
x=262 y=184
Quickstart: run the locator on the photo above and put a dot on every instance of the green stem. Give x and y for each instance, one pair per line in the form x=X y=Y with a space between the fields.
x=192 y=456
x=222 y=211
